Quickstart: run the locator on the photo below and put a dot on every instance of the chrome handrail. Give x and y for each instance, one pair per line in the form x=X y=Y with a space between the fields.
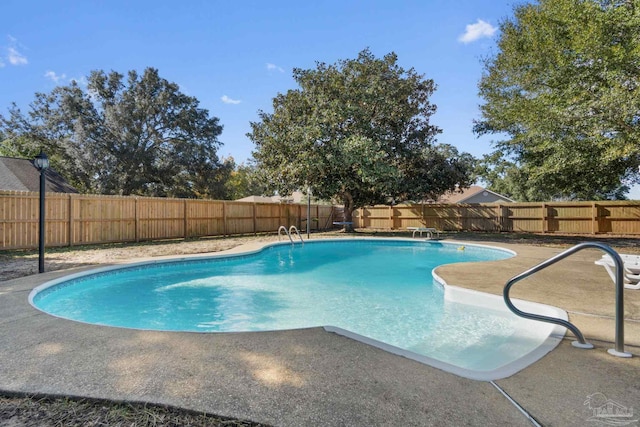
x=289 y=232
x=293 y=229
x=619 y=333
x=283 y=228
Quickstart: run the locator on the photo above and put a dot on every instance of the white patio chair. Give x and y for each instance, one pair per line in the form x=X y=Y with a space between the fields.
x=631 y=264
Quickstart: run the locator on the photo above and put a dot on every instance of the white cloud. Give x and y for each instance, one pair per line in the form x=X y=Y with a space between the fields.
x=12 y=54
x=15 y=57
x=477 y=31
x=51 y=75
x=272 y=67
x=228 y=100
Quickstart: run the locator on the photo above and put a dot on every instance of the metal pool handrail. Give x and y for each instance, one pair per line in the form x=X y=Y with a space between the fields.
x=292 y=230
x=581 y=343
x=289 y=232
x=283 y=228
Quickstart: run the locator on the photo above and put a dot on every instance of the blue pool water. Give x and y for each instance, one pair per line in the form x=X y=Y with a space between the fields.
x=381 y=289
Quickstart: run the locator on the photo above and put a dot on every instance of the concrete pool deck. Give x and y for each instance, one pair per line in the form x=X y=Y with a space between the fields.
x=313 y=377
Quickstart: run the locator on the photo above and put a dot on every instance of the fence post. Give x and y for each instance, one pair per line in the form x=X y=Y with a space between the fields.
x=364 y=217
x=391 y=217
x=70 y=220
x=81 y=228
x=224 y=218
x=255 y=220
x=499 y=219
x=594 y=218
x=545 y=218
x=137 y=219
x=184 y=219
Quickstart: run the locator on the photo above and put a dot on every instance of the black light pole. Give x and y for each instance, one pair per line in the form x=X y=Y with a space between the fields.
x=41 y=162
x=309 y=213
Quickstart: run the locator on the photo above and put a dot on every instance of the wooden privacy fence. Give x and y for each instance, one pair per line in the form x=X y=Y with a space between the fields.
x=613 y=217
x=74 y=219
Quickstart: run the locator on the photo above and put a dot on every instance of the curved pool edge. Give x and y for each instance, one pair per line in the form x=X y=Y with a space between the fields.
x=452 y=293
x=483 y=299
x=241 y=250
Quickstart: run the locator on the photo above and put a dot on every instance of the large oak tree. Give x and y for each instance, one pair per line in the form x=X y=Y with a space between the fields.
x=135 y=136
x=358 y=132
x=564 y=88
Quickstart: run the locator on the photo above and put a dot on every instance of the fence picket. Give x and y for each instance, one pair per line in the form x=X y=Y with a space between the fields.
x=74 y=219
x=588 y=217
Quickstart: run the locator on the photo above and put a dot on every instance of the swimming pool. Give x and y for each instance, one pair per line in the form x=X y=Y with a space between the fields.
x=378 y=291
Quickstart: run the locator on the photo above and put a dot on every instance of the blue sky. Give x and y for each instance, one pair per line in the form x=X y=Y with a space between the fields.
x=235 y=56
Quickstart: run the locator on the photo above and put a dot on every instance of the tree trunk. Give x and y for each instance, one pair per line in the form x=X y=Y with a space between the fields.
x=348 y=213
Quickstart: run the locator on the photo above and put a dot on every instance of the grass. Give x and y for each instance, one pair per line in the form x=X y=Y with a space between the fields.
x=45 y=411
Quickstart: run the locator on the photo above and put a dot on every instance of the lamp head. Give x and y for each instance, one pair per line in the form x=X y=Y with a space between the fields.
x=41 y=162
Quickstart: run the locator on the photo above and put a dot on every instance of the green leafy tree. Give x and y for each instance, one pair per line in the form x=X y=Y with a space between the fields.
x=565 y=89
x=508 y=178
x=135 y=136
x=505 y=177
x=245 y=180
x=358 y=132
x=9 y=149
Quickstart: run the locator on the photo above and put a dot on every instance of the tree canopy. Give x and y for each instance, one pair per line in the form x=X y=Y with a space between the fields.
x=246 y=180
x=139 y=136
x=565 y=89
x=358 y=132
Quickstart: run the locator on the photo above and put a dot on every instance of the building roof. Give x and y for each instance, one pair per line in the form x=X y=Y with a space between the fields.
x=22 y=175
x=296 y=197
x=468 y=193
x=256 y=199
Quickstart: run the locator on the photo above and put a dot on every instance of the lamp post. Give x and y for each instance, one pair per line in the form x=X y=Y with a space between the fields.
x=309 y=213
x=41 y=162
